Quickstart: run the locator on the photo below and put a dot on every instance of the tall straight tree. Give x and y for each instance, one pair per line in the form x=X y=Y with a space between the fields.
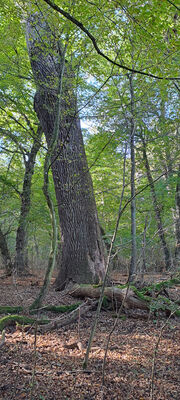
x=21 y=263
x=177 y=222
x=161 y=232
x=82 y=248
x=132 y=269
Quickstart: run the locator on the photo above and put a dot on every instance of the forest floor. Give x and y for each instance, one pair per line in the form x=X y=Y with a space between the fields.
x=49 y=366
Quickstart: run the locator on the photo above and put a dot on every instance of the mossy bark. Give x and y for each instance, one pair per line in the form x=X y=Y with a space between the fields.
x=148 y=298
x=55 y=309
x=20 y=319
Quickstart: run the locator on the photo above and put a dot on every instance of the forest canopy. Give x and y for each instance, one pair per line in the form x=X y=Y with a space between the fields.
x=120 y=78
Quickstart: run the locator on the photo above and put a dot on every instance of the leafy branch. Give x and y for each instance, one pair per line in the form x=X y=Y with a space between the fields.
x=94 y=42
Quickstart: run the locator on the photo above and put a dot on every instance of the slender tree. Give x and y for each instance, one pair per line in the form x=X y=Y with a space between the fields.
x=21 y=263
x=132 y=269
x=167 y=257
x=177 y=221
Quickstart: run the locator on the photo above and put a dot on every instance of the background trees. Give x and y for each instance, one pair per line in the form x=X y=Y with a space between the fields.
x=141 y=37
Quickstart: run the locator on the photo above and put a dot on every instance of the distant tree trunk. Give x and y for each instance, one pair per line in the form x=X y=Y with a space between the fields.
x=132 y=269
x=167 y=160
x=167 y=257
x=143 y=249
x=177 y=221
x=5 y=252
x=20 y=263
x=82 y=248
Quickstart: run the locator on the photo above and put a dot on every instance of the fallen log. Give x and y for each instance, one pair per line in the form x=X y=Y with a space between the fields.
x=132 y=297
x=148 y=299
x=113 y=293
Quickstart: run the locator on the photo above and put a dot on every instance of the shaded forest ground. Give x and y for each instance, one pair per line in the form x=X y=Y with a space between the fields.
x=49 y=366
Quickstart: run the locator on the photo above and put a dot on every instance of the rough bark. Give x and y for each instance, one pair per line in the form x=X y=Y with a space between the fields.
x=82 y=249
x=5 y=252
x=166 y=253
x=20 y=263
x=46 y=190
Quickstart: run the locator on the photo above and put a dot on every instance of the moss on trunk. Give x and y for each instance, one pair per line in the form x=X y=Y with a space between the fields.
x=20 y=319
x=55 y=309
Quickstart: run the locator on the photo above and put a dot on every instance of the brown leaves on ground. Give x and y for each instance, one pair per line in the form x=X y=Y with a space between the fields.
x=49 y=366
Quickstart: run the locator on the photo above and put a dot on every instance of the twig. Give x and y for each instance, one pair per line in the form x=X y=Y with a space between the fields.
x=18 y=368
x=79 y=319
x=111 y=332
x=3 y=338
x=155 y=355
x=93 y=329
x=174 y=5
x=34 y=363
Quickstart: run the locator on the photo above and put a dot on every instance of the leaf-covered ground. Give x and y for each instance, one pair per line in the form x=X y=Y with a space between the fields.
x=49 y=366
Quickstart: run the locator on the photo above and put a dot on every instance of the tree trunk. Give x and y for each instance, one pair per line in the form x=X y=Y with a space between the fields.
x=177 y=221
x=132 y=269
x=20 y=263
x=167 y=257
x=143 y=269
x=5 y=252
x=82 y=248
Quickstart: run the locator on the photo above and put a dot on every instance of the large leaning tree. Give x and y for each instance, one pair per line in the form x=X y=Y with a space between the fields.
x=82 y=248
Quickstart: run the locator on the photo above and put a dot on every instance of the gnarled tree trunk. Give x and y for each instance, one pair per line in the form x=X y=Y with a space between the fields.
x=82 y=249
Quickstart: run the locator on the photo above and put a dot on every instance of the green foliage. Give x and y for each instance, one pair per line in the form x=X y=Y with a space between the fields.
x=157 y=302
x=163 y=304
x=142 y=36
x=161 y=285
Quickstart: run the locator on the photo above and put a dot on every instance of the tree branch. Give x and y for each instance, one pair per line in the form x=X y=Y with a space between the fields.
x=93 y=40
x=169 y=1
